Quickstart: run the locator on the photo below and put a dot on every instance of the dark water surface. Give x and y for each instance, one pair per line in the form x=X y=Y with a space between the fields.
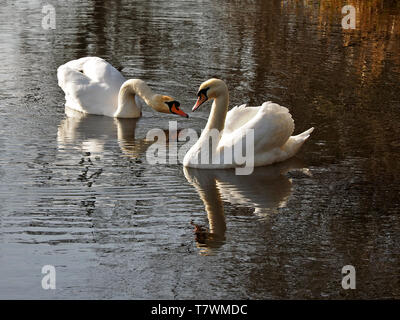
x=77 y=193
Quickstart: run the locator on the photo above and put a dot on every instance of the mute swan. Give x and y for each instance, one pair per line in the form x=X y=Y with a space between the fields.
x=94 y=86
x=272 y=124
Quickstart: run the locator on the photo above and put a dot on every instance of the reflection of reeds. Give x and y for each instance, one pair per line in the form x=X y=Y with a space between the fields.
x=372 y=61
x=377 y=28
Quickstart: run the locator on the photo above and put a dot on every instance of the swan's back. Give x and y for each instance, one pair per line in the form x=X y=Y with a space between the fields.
x=97 y=70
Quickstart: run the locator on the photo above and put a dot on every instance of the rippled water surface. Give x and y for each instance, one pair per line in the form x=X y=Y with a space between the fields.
x=78 y=193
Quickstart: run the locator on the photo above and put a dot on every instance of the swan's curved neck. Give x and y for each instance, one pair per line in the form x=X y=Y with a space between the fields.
x=219 y=108
x=127 y=107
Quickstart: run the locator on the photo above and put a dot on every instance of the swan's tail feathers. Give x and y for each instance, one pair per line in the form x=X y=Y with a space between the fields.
x=305 y=135
x=295 y=142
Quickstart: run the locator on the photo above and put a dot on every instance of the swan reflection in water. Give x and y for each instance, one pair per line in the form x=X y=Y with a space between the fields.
x=266 y=189
x=92 y=133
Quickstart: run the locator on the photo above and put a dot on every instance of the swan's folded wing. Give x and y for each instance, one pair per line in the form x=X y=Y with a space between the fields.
x=272 y=125
x=238 y=116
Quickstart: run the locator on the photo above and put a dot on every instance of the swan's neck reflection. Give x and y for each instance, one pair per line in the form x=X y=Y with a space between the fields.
x=265 y=190
x=91 y=133
x=209 y=193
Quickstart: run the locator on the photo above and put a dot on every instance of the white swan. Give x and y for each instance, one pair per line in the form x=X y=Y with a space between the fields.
x=92 y=85
x=272 y=125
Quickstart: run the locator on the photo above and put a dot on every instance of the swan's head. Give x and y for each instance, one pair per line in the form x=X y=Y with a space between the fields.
x=209 y=90
x=167 y=104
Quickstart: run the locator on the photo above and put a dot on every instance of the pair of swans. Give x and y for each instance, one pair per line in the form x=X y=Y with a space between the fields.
x=93 y=86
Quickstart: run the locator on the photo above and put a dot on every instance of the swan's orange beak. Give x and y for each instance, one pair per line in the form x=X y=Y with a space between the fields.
x=200 y=101
x=176 y=110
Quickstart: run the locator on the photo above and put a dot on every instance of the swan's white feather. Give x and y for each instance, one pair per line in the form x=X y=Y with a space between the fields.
x=91 y=85
x=238 y=116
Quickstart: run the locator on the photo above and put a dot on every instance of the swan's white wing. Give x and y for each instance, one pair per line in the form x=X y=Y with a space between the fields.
x=85 y=90
x=272 y=125
x=238 y=116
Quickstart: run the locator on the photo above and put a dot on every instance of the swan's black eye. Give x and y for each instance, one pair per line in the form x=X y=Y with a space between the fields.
x=203 y=92
x=170 y=104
